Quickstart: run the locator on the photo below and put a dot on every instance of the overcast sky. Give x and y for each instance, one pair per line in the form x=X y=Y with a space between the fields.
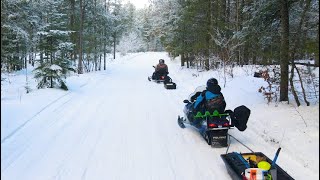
x=139 y=3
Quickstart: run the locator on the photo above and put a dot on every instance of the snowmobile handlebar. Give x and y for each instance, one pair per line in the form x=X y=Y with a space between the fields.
x=186 y=101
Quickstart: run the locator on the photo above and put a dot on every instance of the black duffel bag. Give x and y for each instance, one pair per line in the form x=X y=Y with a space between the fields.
x=240 y=117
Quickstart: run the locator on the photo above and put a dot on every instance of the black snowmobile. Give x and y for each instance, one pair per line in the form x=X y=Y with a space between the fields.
x=214 y=126
x=163 y=77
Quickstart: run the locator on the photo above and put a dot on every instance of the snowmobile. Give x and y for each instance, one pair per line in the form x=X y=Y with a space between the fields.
x=163 y=77
x=212 y=126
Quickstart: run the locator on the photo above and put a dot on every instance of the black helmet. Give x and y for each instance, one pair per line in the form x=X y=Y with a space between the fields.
x=161 y=61
x=212 y=82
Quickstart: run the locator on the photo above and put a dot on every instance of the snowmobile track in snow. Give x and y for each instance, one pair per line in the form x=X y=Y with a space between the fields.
x=27 y=121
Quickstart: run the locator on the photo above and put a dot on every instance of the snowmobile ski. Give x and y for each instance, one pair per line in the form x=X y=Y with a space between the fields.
x=181 y=122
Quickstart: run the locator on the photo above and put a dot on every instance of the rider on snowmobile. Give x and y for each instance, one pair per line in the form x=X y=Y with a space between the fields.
x=210 y=99
x=160 y=70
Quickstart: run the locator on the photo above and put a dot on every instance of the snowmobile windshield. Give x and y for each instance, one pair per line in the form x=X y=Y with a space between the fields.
x=198 y=89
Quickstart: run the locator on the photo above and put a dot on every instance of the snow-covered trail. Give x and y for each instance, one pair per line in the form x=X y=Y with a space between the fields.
x=117 y=126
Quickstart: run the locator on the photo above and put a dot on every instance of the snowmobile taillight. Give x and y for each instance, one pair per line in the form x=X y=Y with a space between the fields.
x=212 y=125
x=225 y=124
x=162 y=77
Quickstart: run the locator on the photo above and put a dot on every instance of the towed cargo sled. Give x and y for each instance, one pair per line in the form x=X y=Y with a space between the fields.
x=253 y=166
x=170 y=85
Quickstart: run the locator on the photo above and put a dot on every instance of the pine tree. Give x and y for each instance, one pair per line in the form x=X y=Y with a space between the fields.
x=56 y=47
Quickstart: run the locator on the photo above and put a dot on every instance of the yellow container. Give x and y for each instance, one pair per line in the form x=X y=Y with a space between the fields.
x=264 y=165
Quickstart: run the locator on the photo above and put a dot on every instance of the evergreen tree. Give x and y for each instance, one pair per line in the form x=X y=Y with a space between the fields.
x=56 y=48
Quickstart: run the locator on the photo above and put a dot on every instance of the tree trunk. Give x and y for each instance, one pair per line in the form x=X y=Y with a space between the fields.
x=292 y=86
x=187 y=58
x=95 y=38
x=297 y=37
x=284 y=55
x=104 y=42
x=317 y=49
x=80 y=65
x=302 y=87
x=182 y=59
x=100 y=57
x=114 y=46
x=296 y=44
x=72 y=27
x=207 y=48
